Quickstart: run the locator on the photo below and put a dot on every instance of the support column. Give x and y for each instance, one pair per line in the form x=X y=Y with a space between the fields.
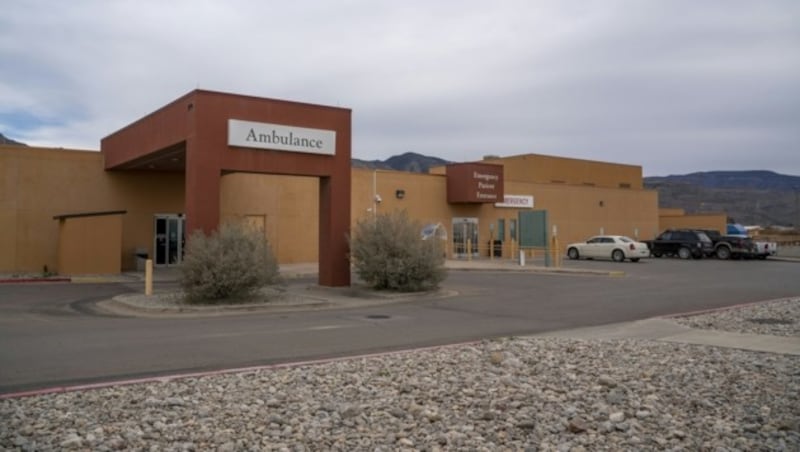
x=334 y=226
x=202 y=200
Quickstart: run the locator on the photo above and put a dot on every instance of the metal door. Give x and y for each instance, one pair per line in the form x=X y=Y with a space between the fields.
x=465 y=237
x=170 y=231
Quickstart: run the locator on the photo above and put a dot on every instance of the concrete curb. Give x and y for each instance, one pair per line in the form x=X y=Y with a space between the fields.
x=316 y=298
x=34 y=280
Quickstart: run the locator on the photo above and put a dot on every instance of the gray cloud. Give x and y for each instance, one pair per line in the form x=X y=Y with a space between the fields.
x=674 y=86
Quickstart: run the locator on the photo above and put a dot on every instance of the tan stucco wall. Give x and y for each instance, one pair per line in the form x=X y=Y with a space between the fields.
x=546 y=169
x=287 y=206
x=671 y=212
x=425 y=196
x=90 y=245
x=574 y=209
x=580 y=212
x=39 y=183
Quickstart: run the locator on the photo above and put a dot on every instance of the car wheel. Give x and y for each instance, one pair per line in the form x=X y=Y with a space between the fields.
x=723 y=253
x=684 y=253
x=634 y=259
x=573 y=254
x=618 y=256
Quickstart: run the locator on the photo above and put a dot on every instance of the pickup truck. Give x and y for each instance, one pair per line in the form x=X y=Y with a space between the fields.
x=731 y=246
x=763 y=249
x=684 y=243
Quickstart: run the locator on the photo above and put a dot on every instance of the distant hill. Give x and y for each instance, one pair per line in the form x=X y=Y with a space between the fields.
x=761 y=198
x=4 y=140
x=410 y=161
x=768 y=180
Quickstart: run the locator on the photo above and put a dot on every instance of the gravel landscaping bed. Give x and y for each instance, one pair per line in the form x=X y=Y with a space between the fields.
x=777 y=318
x=508 y=394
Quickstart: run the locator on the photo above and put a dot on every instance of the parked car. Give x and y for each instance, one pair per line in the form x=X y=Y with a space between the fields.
x=684 y=243
x=615 y=247
x=731 y=246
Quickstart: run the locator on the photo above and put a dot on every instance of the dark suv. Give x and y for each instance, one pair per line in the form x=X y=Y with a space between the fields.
x=684 y=243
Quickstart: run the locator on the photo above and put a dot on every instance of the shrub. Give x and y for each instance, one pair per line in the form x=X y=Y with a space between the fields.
x=388 y=252
x=228 y=265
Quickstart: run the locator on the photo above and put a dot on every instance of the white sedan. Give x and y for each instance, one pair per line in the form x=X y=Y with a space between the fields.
x=616 y=247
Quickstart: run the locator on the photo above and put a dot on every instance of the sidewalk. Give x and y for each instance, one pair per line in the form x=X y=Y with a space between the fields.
x=664 y=330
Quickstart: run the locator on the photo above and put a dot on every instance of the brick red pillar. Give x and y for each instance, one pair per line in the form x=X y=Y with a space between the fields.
x=202 y=187
x=334 y=226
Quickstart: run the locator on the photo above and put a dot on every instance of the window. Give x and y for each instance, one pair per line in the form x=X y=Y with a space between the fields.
x=501 y=229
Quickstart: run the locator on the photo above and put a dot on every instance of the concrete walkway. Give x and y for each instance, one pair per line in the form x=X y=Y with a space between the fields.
x=662 y=329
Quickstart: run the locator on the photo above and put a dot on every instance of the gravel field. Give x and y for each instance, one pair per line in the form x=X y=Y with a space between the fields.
x=536 y=394
x=777 y=318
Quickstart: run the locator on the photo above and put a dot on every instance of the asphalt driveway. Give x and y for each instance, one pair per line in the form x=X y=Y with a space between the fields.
x=50 y=334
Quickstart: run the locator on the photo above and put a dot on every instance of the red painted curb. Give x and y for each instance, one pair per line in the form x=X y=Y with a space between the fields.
x=34 y=280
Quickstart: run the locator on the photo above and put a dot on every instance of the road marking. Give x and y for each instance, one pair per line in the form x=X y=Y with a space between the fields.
x=326 y=327
x=262 y=332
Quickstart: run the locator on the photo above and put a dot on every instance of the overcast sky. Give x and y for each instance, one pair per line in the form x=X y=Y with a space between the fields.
x=674 y=86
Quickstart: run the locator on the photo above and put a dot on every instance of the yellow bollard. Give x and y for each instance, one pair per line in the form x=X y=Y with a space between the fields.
x=554 y=252
x=148 y=277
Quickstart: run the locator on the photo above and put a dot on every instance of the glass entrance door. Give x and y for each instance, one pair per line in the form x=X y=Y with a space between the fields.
x=465 y=237
x=170 y=231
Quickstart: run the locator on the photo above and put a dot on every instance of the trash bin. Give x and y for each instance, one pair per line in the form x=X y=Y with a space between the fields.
x=141 y=259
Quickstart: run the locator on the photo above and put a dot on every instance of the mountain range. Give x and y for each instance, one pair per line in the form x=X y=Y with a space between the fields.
x=761 y=198
x=410 y=161
x=4 y=140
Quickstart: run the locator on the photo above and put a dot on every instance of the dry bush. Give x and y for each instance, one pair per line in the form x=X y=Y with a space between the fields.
x=229 y=265
x=388 y=252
